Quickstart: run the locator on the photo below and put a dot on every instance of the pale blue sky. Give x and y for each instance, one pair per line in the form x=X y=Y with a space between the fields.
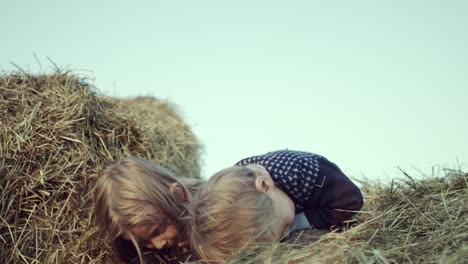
x=371 y=85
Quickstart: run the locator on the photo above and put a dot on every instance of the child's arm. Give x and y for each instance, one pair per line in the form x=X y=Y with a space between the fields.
x=316 y=186
x=334 y=198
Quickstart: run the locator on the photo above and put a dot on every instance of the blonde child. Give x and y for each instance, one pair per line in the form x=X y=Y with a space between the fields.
x=256 y=201
x=139 y=204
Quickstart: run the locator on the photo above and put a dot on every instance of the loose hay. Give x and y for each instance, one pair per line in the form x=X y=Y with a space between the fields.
x=409 y=221
x=56 y=133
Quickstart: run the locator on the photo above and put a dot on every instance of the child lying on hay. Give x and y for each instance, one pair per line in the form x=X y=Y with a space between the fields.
x=138 y=204
x=256 y=201
x=142 y=206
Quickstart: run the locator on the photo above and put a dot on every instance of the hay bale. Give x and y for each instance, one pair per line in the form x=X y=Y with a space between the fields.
x=177 y=148
x=56 y=133
x=409 y=221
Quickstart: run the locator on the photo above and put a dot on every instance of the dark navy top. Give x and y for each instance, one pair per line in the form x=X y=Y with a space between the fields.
x=316 y=186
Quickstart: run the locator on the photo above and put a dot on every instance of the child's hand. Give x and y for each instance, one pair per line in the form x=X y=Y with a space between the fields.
x=183 y=244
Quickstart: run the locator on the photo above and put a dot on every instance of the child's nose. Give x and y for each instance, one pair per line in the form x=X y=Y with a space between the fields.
x=159 y=243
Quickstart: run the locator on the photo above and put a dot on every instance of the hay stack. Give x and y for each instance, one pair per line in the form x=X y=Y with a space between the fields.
x=55 y=134
x=410 y=221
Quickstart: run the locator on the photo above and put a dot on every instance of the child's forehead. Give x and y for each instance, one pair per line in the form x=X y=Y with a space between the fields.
x=142 y=228
x=144 y=231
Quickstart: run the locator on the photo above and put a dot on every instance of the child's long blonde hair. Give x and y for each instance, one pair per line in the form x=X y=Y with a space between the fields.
x=227 y=213
x=133 y=191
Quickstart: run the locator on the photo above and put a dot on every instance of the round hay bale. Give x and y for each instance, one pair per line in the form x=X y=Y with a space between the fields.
x=177 y=148
x=56 y=132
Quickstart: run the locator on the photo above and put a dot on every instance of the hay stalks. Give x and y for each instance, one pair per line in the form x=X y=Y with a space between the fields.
x=55 y=134
x=408 y=221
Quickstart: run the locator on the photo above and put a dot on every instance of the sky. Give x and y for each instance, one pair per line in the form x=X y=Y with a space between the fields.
x=372 y=85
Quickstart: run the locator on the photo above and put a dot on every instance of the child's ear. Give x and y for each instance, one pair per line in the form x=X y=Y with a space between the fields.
x=179 y=192
x=262 y=184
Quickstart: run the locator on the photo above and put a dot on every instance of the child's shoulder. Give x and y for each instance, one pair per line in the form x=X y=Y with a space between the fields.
x=280 y=157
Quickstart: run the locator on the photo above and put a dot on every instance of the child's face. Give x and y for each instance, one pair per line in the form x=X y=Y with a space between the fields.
x=283 y=212
x=283 y=206
x=150 y=236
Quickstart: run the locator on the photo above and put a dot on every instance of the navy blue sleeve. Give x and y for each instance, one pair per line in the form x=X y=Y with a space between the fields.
x=317 y=186
x=294 y=172
x=334 y=198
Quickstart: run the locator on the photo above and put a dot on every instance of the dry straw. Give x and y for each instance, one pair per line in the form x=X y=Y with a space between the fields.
x=409 y=221
x=55 y=134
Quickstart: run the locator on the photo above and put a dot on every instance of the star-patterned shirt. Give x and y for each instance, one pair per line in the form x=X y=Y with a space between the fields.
x=315 y=185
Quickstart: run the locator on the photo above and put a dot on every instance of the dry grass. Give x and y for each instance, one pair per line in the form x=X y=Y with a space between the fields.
x=55 y=134
x=410 y=221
